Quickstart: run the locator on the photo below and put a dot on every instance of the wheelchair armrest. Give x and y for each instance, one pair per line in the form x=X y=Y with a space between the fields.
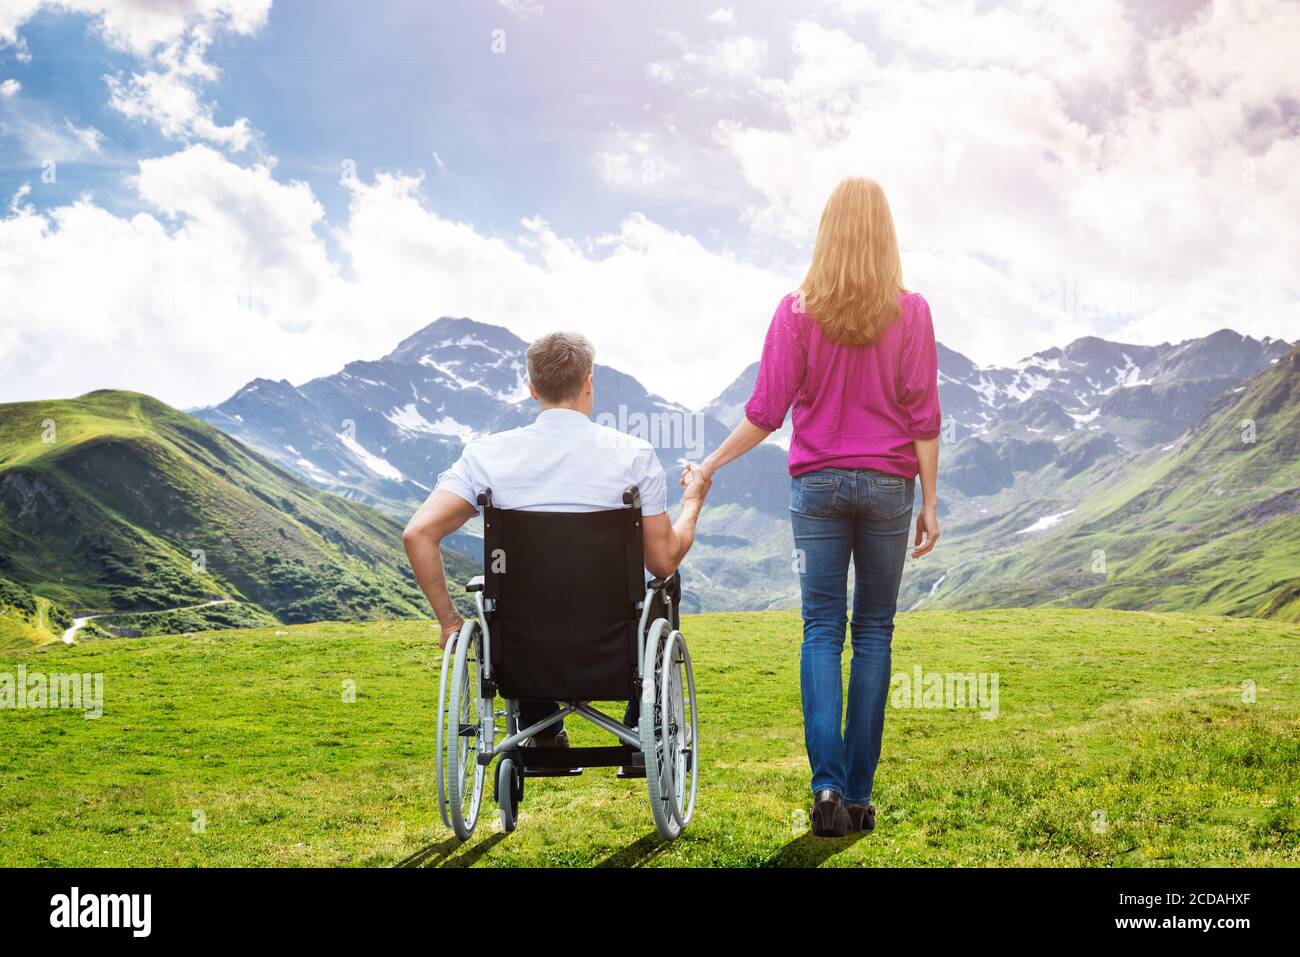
x=656 y=584
x=474 y=584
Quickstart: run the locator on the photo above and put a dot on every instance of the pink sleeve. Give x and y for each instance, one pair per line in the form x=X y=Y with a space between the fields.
x=780 y=371
x=918 y=373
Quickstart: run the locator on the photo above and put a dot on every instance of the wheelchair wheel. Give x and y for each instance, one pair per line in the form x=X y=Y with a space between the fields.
x=658 y=750
x=470 y=729
x=682 y=719
x=448 y=662
x=507 y=794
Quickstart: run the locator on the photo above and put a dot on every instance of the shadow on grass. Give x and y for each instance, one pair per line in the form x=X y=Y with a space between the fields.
x=444 y=853
x=810 y=851
x=637 y=853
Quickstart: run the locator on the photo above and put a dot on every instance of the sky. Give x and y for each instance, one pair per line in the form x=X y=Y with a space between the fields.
x=194 y=193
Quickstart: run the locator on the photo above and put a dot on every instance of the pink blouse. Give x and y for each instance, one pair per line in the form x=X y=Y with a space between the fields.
x=855 y=407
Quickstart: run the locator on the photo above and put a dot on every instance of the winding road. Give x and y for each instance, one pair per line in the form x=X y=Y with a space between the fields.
x=70 y=636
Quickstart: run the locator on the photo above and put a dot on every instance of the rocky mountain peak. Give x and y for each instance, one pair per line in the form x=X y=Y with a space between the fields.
x=450 y=335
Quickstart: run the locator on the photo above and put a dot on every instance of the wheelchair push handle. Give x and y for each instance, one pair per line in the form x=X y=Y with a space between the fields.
x=632 y=496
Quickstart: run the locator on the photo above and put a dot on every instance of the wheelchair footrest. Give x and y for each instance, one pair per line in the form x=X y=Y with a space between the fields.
x=544 y=760
x=553 y=772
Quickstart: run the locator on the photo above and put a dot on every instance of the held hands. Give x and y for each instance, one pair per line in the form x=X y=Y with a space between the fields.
x=927 y=530
x=697 y=481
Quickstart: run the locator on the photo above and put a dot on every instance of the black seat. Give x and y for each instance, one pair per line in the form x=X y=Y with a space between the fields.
x=563 y=589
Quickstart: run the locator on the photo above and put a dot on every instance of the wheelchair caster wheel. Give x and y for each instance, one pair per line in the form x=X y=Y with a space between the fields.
x=509 y=789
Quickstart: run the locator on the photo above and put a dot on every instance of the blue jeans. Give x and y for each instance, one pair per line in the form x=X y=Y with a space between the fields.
x=838 y=513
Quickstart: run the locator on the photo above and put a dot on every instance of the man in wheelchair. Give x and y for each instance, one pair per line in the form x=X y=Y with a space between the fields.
x=563 y=462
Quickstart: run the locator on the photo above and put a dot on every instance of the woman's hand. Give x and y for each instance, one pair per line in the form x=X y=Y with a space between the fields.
x=927 y=530
x=703 y=470
x=696 y=482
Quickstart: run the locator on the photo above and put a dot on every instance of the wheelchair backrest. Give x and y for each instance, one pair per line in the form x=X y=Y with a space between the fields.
x=563 y=590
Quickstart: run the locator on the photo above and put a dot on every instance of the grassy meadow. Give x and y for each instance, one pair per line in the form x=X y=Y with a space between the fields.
x=1122 y=738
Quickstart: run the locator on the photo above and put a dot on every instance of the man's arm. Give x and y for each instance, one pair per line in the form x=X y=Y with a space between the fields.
x=666 y=544
x=440 y=515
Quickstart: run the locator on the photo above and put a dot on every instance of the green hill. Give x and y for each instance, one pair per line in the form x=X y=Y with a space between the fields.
x=115 y=502
x=25 y=617
x=1120 y=738
x=1212 y=525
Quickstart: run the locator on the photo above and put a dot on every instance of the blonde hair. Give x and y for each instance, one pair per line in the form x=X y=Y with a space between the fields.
x=856 y=274
x=558 y=365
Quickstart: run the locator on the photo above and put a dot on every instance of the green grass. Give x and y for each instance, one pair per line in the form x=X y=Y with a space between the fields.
x=1134 y=719
x=116 y=502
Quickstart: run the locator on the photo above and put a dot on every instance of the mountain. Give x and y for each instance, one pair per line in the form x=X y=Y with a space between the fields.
x=115 y=502
x=1212 y=523
x=380 y=432
x=1024 y=445
x=1033 y=438
x=1047 y=407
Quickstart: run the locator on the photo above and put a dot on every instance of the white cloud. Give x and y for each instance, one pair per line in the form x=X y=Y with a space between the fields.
x=1054 y=169
x=725 y=16
x=655 y=303
x=139 y=26
x=20 y=195
x=94 y=299
x=1046 y=183
x=169 y=97
x=522 y=8
x=43 y=137
x=734 y=58
x=632 y=160
x=9 y=88
x=228 y=278
x=170 y=38
x=88 y=138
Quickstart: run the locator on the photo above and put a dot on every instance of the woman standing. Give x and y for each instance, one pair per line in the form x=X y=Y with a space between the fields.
x=854 y=353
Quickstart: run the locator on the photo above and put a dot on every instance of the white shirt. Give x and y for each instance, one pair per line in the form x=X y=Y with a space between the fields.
x=563 y=462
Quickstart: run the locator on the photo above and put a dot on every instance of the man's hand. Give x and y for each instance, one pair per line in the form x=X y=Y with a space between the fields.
x=927 y=529
x=666 y=545
x=696 y=482
x=448 y=629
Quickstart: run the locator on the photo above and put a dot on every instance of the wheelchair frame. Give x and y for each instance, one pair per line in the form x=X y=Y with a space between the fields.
x=667 y=726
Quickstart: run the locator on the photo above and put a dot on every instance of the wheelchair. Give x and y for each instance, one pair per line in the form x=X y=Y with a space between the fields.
x=564 y=614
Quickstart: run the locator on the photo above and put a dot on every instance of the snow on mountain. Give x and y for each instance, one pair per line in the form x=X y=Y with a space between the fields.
x=381 y=431
x=1140 y=395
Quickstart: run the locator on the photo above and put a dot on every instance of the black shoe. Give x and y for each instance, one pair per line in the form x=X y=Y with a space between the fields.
x=550 y=740
x=828 y=816
x=862 y=817
x=547 y=738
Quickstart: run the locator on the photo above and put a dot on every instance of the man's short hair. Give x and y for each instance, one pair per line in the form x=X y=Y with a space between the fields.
x=558 y=365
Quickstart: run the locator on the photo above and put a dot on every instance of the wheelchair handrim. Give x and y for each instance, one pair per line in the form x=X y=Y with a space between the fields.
x=464 y=773
x=447 y=664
